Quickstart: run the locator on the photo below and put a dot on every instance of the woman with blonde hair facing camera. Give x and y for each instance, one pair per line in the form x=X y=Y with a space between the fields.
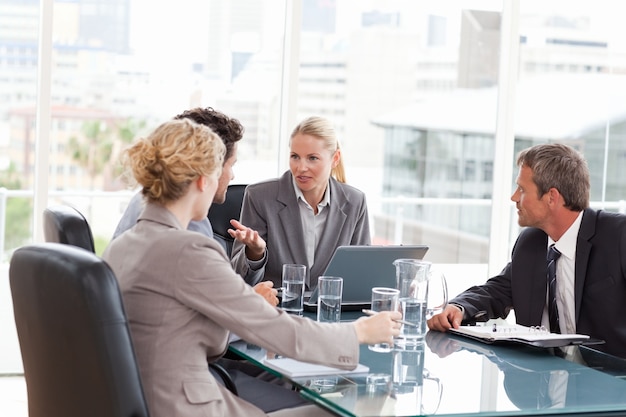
x=182 y=296
x=308 y=212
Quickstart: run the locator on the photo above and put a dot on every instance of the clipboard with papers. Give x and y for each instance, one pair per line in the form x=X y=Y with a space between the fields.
x=515 y=333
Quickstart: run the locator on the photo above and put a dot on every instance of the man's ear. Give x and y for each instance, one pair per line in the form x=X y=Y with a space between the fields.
x=554 y=196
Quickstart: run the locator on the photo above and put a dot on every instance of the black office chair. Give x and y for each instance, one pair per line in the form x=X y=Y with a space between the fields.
x=65 y=224
x=220 y=215
x=74 y=339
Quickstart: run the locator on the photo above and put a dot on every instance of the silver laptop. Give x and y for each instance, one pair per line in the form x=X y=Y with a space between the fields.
x=363 y=268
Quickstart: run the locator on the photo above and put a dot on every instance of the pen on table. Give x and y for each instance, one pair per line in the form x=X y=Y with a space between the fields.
x=371 y=313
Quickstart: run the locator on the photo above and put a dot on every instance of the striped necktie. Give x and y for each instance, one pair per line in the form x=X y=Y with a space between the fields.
x=553 y=311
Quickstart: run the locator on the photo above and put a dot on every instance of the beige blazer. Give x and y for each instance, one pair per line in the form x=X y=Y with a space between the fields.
x=182 y=298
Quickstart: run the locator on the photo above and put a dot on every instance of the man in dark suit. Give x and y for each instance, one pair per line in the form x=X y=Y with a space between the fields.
x=552 y=199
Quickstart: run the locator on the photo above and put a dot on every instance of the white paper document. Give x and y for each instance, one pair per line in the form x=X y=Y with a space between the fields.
x=294 y=369
x=518 y=334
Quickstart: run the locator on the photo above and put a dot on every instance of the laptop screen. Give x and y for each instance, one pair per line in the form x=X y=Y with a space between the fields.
x=363 y=268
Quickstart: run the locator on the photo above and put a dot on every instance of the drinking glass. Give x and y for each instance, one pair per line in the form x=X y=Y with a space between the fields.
x=293 y=288
x=329 y=299
x=384 y=299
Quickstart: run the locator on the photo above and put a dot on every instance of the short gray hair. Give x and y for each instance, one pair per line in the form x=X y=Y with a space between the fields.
x=562 y=167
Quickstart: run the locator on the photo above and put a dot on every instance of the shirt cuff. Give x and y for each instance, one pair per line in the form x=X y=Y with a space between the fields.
x=256 y=265
x=460 y=307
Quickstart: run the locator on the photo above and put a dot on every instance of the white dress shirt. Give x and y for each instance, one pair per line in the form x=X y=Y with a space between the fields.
x=565 y=276
x=312 y=224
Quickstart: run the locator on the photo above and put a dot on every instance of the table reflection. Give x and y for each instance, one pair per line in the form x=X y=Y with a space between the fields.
x=412 y=382
x=398 y=384
x=535 y=379
x=452 y=375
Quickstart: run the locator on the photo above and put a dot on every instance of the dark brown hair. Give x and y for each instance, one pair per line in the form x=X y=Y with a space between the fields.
x=228 y=129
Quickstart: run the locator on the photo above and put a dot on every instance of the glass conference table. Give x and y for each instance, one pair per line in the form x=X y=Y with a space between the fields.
x=451 y=375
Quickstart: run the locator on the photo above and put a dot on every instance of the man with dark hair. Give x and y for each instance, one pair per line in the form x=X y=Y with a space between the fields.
x=230 y=131
x=568 y=266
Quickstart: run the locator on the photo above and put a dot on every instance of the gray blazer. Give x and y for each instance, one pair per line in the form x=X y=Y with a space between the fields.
x=182 y=298
x=271 y=208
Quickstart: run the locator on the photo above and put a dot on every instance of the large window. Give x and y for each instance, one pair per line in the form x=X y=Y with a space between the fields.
x=118 y=68
x=431 y=99
x=414 y=90
x=572 y=84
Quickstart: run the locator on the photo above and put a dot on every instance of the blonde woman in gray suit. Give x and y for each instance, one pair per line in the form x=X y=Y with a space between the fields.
x=182 y=296
x=304 y=215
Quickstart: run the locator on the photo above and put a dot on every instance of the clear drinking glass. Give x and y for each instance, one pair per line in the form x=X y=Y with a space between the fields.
x=384 y=299
x=293 y=288
x=329 y=299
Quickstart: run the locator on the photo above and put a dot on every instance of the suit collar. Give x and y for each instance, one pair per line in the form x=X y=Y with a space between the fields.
x=286 y=192
x=588 y=225
x=583 y=249
x=156 y=213
x=336 y=216
x=289 y=216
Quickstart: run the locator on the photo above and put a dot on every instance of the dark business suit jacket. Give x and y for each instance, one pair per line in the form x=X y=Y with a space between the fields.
x=182 y=299
x=271 y=208
x=600 y=281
